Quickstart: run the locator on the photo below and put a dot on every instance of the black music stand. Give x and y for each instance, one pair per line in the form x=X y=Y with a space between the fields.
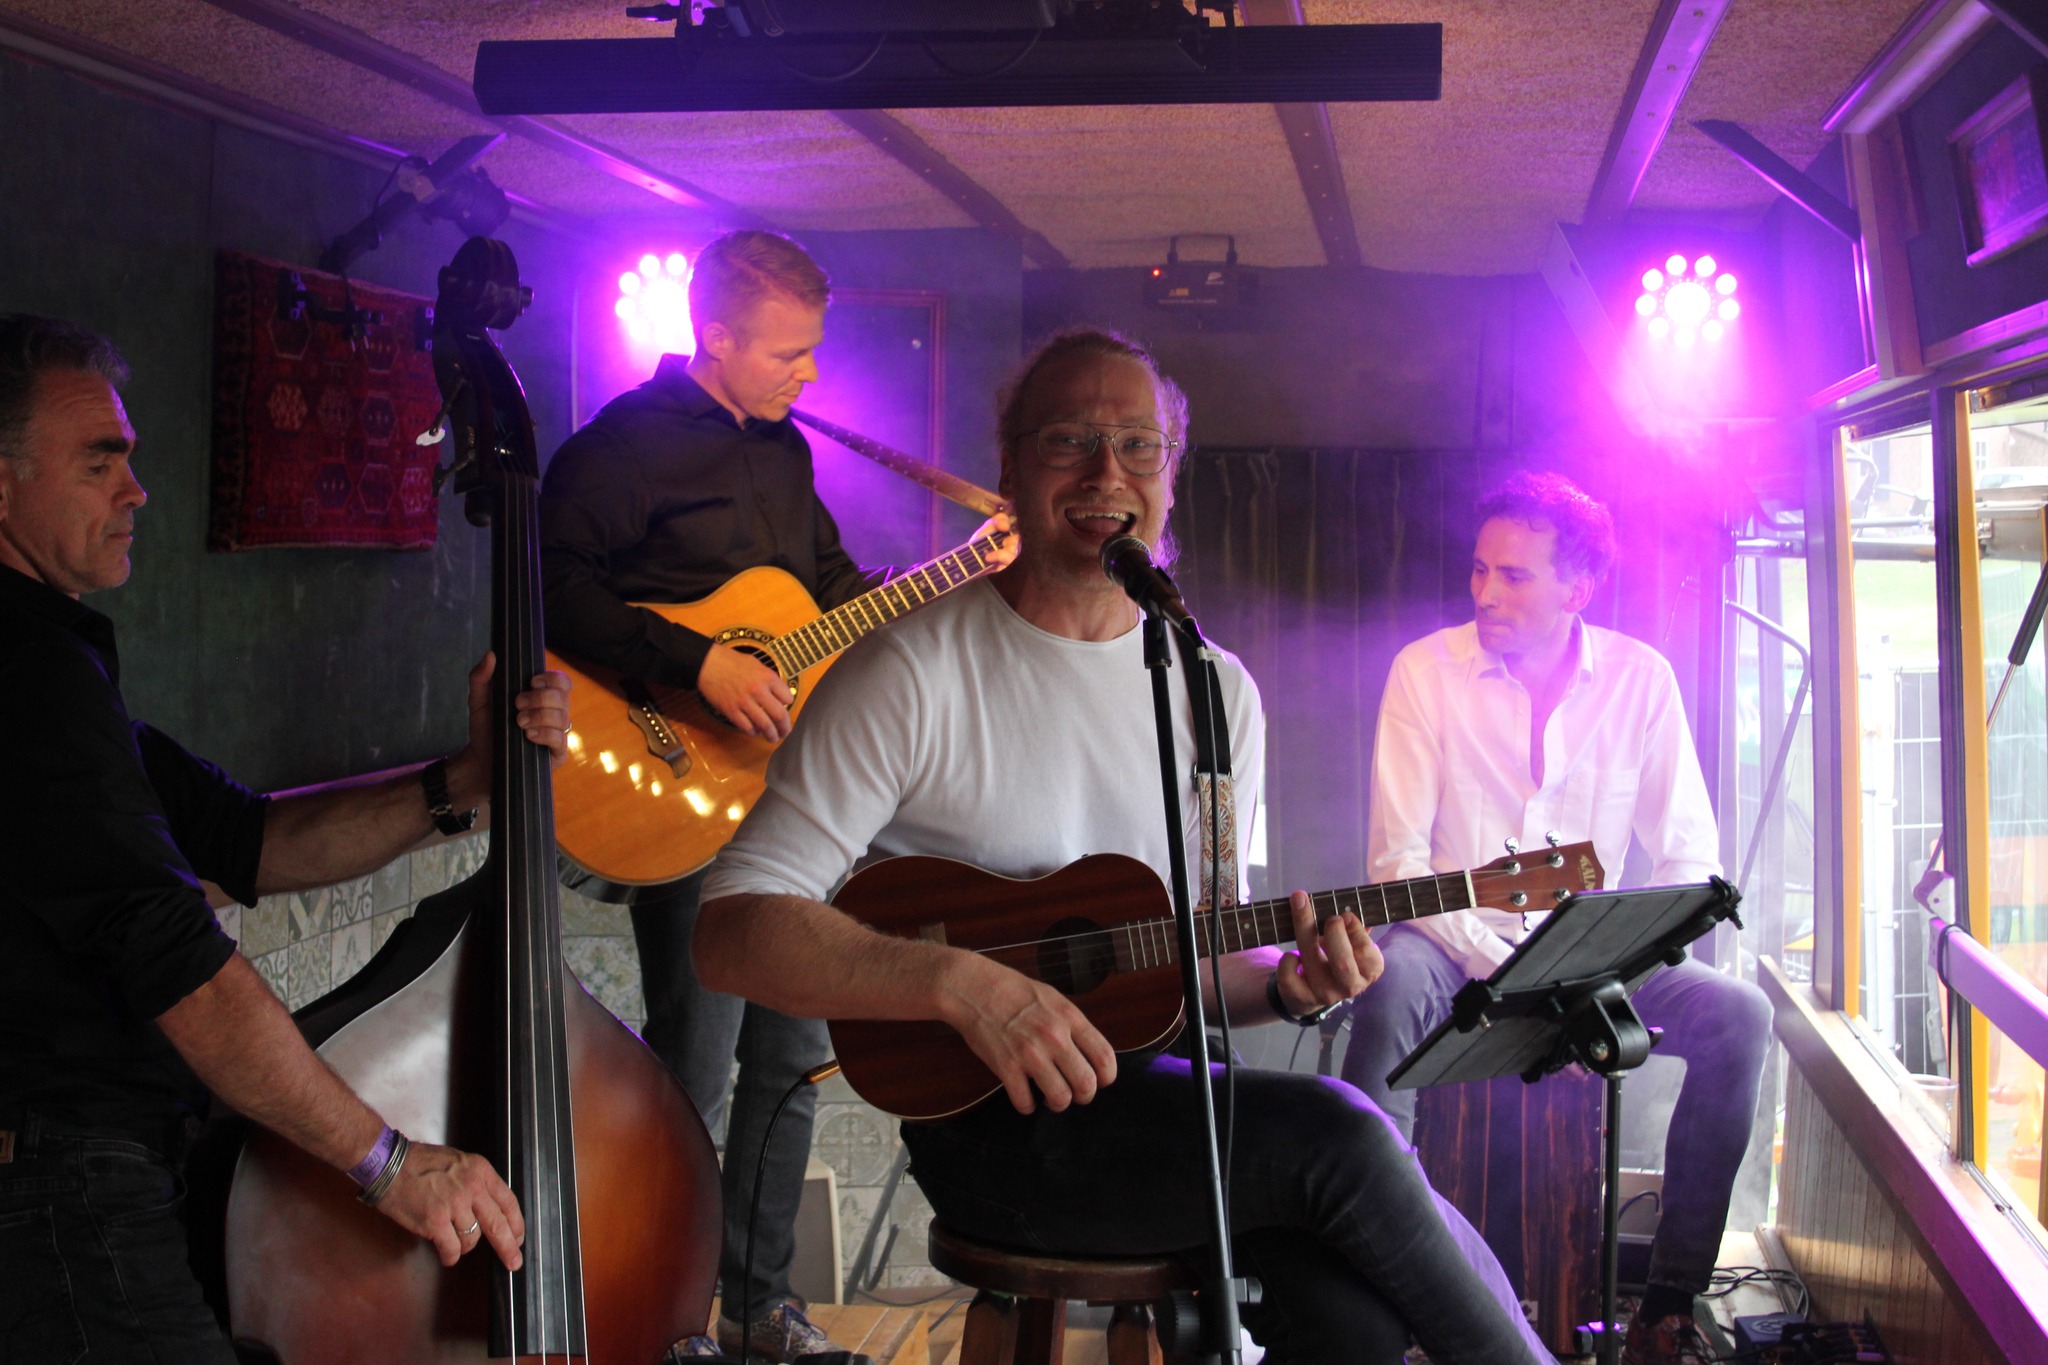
x=1563 y=998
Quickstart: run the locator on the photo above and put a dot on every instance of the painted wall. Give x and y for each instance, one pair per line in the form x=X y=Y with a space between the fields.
x=286 y=666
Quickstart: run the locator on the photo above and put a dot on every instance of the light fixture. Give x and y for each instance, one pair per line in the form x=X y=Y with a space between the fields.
x=653 y=305
x=1688 y=301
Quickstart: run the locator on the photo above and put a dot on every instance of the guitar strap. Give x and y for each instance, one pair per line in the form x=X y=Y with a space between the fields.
x=1218 y=811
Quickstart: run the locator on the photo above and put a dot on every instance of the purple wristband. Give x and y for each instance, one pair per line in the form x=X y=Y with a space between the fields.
x=371 y=1166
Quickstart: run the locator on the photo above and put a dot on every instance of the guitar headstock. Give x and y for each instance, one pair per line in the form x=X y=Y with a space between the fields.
x=1537 y=880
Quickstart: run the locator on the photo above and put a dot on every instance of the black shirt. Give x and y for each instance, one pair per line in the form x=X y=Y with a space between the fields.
x=105 y=828
x=662 y=498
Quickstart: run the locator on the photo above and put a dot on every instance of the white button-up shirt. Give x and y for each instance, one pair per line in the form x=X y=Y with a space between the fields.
x=1451 y=777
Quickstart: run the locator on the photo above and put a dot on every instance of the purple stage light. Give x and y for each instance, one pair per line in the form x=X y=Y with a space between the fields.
x=654 y=305
x=1679 y=302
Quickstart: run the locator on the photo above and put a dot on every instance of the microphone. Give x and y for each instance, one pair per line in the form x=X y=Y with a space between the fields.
x=1128 y=562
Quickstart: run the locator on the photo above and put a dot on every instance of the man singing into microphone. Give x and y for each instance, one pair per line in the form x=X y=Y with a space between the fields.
x=1010 y=725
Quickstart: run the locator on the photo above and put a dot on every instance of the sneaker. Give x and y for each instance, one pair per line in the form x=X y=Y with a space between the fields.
x=1670 y=1340
x=781 y=1333
x=703 y=1346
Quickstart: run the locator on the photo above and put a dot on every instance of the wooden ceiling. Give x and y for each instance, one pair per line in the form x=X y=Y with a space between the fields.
x=1466 y=185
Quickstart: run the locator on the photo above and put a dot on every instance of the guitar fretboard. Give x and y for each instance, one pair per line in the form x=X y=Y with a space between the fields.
x=836 y=629
x=1259 y=924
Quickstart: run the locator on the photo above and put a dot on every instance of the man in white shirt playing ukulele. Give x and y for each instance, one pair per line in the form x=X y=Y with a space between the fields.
x=1527 y=721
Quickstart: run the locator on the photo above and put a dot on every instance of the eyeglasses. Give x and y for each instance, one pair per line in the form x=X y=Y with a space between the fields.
x=1140 y=450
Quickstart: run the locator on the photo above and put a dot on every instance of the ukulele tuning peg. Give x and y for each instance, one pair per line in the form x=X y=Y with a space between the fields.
x=1550 y=837
x=1556 y=859
x=1514 y=845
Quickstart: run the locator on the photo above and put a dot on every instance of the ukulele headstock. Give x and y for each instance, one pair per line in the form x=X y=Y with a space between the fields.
x=1520 y=883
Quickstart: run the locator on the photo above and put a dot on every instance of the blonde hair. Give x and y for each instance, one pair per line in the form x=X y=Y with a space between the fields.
x=739 y=269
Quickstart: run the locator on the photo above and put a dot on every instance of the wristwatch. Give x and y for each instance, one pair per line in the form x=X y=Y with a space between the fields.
x=440 y=805
x=1279 y=1005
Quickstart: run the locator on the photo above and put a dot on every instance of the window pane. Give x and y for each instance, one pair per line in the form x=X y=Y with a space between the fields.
x=2010 y=447
x=1890 y=483
x=2012 y=1134
x=1771 y=726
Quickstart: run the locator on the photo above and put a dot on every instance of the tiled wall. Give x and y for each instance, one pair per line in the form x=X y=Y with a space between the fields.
x=308 y=942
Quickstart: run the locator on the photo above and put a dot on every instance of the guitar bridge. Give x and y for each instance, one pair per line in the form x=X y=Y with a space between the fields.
x=661 y=737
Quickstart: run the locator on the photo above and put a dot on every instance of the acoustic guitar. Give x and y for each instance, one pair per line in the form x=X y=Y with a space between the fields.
x=1100 y=931
x=657 y=781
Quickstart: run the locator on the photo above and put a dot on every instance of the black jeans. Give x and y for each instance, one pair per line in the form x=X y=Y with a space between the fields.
x=1328 y=1208
x=699 y=1033
x=93 y=1263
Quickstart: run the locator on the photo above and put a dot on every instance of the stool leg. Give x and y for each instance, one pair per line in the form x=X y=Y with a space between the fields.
x=991 y=1331
x=1041 y=1331
x=1131 y=1338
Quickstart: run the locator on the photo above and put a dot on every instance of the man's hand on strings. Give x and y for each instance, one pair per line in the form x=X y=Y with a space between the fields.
x=748 y=693
x=1332 y=964
x=1029 y=1034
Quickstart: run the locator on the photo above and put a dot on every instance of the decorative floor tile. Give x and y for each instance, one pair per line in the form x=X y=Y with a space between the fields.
x=307 y=972
x=354 y=903
x=349 y=952
x=857 y=1141
x=382 y=925
x=585 y=917
x=429 y=872
x=608 y=969
x=391 y=886
x=271 y=967
x=229 y=917
x=266 y=927
x=311 y=913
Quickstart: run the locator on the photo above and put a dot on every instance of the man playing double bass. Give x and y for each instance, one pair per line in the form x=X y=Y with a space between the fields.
x=121 y=1001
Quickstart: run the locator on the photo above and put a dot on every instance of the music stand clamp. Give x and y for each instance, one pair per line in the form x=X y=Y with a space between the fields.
x=1563 y=997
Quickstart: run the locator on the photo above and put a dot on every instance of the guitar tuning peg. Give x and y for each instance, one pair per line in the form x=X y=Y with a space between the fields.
x=1514 y=845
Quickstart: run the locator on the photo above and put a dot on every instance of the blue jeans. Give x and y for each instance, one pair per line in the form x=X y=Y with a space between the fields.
x=93 y=1263
x=1719 y=1025
x=699 y=1033
x=1328 y=1208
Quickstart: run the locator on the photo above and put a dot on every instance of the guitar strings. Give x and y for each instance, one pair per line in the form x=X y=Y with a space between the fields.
x=1253 y=908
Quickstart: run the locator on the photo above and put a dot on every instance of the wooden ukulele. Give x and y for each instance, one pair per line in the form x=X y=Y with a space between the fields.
x=1100 y=930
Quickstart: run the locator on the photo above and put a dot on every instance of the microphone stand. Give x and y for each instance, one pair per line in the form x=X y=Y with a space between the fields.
x=1219 y=1300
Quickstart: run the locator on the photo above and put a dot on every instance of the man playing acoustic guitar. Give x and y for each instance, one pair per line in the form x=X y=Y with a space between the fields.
x=671 y=490
x=1010 y=725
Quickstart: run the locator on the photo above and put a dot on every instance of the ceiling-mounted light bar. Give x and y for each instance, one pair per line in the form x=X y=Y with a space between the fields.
x=1112 y=54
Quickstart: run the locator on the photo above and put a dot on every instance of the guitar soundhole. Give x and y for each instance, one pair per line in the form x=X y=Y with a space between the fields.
x=754 y=644
x=1075 y=957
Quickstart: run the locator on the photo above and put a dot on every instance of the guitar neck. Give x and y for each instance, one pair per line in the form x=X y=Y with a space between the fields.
x=1262 y=924
x=836 y=629
x=947 y=485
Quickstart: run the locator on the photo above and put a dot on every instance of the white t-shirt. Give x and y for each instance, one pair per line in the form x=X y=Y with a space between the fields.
x=1451 y=777
x=964 y=731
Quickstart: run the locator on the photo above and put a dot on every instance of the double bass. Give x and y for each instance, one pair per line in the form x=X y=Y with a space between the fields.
x=468 y=1029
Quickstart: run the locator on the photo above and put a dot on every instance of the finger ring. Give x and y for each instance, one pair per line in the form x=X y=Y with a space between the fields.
x=474 y=1225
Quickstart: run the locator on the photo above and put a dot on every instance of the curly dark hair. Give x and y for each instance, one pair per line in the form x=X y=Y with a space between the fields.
x=1585 y=528
x=29 y=345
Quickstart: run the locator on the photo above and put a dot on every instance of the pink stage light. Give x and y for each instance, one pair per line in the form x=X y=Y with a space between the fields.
x=654 y=304
x=1680 y=301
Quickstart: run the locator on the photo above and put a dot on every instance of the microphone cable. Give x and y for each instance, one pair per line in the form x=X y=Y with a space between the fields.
x=824 y=1071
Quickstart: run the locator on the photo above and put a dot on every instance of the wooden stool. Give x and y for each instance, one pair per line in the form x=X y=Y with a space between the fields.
x=1019 y=1314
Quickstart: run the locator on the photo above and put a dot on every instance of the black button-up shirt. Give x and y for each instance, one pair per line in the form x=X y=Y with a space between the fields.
x=105 y=828
x=662 y=498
